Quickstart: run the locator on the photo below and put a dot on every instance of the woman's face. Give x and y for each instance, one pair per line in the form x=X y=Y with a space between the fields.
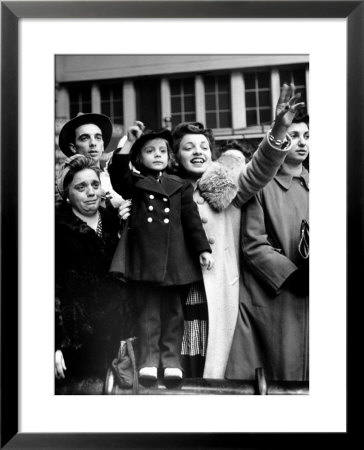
x=194 y=154
x=300 y=136
x=84 y=192
x=154 y=154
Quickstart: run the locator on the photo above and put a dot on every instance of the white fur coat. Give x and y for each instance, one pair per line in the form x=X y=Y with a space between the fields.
x=226 y=185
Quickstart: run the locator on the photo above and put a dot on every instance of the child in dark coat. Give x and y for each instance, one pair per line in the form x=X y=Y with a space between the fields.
x=164 y=248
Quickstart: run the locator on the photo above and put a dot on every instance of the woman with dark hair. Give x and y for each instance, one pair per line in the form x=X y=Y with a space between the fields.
x=91 y=310
x=221 y=188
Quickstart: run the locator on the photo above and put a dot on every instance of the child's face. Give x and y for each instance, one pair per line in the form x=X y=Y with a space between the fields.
x=154 y=154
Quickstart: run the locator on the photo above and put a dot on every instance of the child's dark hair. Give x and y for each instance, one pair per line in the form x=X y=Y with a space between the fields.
x=149 y=135
x=138 y=163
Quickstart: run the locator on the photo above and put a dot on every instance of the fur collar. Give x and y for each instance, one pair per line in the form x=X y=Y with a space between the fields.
x=219 y=184
x=67 y=220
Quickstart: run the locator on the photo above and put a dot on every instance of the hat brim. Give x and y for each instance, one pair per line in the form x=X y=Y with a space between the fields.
x=138 y=144
x=66 y=136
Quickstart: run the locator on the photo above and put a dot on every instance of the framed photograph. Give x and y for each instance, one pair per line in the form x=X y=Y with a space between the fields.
x=32 y=34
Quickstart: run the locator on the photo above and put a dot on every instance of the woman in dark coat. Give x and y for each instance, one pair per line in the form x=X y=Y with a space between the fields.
x=91 y=310
x=272 y=326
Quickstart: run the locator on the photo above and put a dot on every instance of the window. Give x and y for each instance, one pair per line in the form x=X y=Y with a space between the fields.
x=297 y=77
x=182 y=100
x=258 y=98
x=112 y=102
x=218 y=101
x=80 y=99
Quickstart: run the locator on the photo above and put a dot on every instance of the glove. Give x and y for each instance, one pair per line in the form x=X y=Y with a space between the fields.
x=298 y=281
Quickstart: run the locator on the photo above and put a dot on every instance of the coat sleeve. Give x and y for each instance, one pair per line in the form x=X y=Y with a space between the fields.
x=191 y=221
x=121 y=175
x=61 y=339
x=266 y=262
x=259 y=171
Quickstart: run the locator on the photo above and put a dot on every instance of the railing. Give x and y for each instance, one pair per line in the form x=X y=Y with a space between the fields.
x=187 y=386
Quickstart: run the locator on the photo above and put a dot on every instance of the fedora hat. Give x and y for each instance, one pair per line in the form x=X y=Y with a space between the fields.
x=148 y=135
x=67 y=134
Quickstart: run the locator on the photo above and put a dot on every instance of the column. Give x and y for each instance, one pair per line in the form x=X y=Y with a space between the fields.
x=166 y=107
x=129 y=101
x=200 y=99
x=276 y=89
x=95 y=99
x=307 y=79
x=62 y=103
x=238 y=107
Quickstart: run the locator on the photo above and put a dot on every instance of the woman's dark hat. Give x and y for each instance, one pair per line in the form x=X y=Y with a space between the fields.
x=148 y=135
x=67 y=134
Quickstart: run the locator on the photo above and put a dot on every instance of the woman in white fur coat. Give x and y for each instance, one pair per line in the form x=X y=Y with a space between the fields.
x=220 y=190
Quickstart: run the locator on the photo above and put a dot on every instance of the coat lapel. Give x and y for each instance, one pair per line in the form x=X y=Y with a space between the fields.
x=168 y=185
x=171 y=184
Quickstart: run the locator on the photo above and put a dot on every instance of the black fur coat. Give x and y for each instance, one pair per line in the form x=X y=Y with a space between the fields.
x=92 y=308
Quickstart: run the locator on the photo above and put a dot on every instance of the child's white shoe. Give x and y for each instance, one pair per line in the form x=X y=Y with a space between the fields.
x=173 y=373
x=149 y=373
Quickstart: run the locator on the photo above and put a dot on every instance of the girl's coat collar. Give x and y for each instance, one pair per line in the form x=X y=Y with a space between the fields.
x=168 y=184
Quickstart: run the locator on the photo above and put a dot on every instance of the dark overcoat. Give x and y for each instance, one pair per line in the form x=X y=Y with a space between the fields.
x=272 y=325
x=92 y=307
x=165 y=235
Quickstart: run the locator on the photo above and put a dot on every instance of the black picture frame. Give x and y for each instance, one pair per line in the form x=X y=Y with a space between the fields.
x=11 y=12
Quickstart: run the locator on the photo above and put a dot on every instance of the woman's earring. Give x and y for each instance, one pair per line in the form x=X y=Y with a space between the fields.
x=68 y=200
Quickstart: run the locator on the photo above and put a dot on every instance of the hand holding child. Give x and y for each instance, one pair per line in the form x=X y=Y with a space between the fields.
x=124 y=209
x=206 y=260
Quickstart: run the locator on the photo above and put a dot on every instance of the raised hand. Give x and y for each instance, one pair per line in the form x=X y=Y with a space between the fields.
x=286 y=110
x=287 y=107
x=135 y=131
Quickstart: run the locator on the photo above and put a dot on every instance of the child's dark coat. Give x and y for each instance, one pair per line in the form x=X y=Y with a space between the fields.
x=166 y=235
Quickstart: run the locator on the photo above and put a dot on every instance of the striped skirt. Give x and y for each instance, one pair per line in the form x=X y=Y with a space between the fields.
x=194 y=341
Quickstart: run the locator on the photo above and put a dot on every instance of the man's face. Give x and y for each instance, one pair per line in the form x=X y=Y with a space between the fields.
x=88 y=141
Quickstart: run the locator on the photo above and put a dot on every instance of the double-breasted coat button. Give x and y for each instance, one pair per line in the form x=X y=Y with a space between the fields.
x=150 y=219
x=204 y=220
x=166 y=220
x=151 y=196
x=150 y=208
x=166 y=210
x=211 y=240
x=165 y=199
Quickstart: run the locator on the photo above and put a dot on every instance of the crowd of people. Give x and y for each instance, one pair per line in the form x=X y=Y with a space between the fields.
x=204 y=259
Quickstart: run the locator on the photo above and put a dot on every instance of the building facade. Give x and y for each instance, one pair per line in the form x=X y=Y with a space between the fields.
x=235 y=95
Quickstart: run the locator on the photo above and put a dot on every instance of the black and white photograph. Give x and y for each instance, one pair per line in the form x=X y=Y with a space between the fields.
x=162 y=167
x=182 y=224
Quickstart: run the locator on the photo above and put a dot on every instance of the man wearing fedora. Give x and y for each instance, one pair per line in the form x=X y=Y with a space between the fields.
x=89 y=134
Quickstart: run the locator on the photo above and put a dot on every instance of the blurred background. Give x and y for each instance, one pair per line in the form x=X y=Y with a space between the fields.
x=235 y=95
